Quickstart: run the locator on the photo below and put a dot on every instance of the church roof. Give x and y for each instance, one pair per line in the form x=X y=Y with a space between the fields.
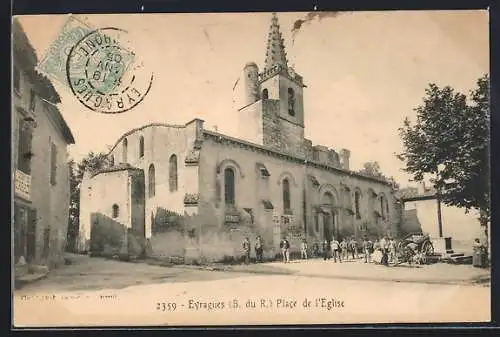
x=245 y=144
x=275 y=52
x=116 y=168
x=128 y=133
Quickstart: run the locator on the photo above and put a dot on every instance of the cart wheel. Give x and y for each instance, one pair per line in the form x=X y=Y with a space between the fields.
x=428 y=249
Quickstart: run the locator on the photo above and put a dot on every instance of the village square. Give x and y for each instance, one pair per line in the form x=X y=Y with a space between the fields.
x=187 y=212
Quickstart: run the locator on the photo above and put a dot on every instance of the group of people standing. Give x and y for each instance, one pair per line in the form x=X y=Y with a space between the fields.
x=348 y=248
x=259 y=249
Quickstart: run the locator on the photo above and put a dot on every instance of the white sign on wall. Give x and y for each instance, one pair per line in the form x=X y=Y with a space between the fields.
x=22 y=184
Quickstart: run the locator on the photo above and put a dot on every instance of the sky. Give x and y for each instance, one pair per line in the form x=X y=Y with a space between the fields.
x=365 y=72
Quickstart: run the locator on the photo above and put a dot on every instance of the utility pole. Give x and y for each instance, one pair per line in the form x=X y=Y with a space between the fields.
x=440 y=221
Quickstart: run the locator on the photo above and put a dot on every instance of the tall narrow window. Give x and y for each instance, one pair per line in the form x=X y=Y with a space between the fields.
x=32 y=100
x=24 y=153
x=291 y=102
x=265 y=94
x=356 y=204
x=116 y=211
x=151 y=185
x=125 y=150
x=17 y=79
x=111 y=160
x=53 y=164
x=172 y=165
x=382 y=208
x=387 y=209
x=286 y=195
x=229 y=188
x=141 y=147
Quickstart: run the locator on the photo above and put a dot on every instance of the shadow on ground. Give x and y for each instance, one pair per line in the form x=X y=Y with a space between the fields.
x=85 y=273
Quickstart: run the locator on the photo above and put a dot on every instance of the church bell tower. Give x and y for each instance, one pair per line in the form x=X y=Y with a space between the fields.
x=273 y=114
x=279 y=81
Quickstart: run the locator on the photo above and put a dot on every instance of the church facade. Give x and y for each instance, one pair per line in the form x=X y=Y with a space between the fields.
x=270 y=181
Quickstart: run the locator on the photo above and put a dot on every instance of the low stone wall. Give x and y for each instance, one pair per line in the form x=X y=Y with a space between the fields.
x=167 y=244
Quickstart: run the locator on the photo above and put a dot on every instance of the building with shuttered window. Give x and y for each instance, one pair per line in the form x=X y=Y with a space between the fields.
x=40 y=138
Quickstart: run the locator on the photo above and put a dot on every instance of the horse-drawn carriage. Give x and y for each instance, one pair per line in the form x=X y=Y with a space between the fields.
x=414 y=248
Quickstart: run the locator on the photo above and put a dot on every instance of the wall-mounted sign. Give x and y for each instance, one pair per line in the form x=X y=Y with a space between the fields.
x=232 y=218
x=22 y=184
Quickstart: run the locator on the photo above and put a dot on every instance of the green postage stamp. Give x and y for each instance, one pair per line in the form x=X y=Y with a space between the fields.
x=96 y=67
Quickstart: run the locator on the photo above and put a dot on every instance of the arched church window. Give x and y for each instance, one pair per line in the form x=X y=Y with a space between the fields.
x=172 y=164
x=141 y=147
x=229 y=188
x=357 y=197
x=265 y=94
x=382 y=207
x=151 y=184
x=291 y=102
x=116 y=211
x=125 y=150
x=286 y=194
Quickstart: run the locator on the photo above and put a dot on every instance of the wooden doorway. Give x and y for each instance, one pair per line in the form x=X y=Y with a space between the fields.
x=31 y=236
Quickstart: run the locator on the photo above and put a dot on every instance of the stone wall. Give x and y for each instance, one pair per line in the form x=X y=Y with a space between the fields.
x=161 y=141
x=280 y=133
x=271 y=124
x=138 y=203
x=252 y=188
x=98 y=195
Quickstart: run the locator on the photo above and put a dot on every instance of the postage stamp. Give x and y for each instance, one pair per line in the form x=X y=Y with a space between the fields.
x=97 y=66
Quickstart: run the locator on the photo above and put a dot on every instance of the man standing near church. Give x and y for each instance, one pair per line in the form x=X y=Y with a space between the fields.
x=335 y=248
x=285 y=250
x=326 y=250
x=246 y=250
x=259 y=249
x=367 y=249
x=353 y=244
x=303 y=249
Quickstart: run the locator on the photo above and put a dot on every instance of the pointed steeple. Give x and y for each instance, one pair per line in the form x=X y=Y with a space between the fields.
x=275 y=53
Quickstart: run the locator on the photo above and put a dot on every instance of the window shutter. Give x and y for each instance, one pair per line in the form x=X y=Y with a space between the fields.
x=24 y=153
x=53 y=164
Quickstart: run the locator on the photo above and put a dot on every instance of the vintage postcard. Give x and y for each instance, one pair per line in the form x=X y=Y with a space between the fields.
x=250 y=169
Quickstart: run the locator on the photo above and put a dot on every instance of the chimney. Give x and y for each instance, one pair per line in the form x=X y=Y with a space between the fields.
x=344 y=158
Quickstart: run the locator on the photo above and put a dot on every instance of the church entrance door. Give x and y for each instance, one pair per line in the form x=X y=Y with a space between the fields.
x=328 y=226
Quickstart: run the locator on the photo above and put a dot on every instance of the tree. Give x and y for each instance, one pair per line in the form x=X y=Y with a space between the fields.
x=450 y=144
x=92 y=163
x=371 y=169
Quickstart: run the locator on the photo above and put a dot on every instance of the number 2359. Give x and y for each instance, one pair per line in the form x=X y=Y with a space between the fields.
x=166 y=306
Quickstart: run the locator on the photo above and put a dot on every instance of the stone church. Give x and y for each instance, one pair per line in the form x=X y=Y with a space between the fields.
x=271 y=181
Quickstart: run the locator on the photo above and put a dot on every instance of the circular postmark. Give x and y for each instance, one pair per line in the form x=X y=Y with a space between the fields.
x=104 y=74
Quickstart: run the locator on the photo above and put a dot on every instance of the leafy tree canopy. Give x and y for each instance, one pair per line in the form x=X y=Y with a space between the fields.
x=372 y=169
x=449 y=142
